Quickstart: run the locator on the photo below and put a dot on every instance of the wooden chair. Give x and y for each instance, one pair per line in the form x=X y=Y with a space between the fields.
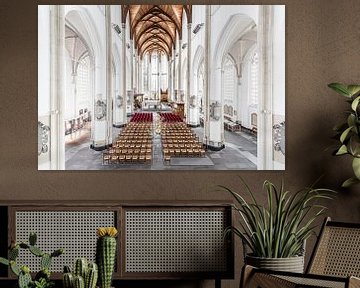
x=121 y=158
x=114 y=158
x=335 y=262
x=106 y=158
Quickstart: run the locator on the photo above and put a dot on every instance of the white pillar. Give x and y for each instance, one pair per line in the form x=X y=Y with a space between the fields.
x=141 y=75
x=207 y=75
x=174 y=76
x=124 y=92
x=189 y=77
x=169 y=78
x=179 y=72
x=215 y=92
x=158 y=75
x=150 y=76
x=132 y=76
x=265 y=121
x=100 y=124
x=57 y=87
x=109 y=74
x=238 y=97
x=138 y=72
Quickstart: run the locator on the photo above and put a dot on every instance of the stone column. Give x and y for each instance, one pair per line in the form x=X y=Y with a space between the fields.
x=138 y=73
x=207 y=75
x=136 y=79
x=189 y=77
x=124 y=92
x=103 y=91
x=158 y=76
x=169 y=78
x=141 y=75
x=150 y=76
x=265 y=133
x=109 y=76
x=215 y=92
x=174 y=76
x=132 y=78
x=57 y=87
x=179 y=71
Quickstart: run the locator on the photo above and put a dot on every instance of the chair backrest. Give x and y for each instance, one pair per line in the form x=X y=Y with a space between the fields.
x=337 y=251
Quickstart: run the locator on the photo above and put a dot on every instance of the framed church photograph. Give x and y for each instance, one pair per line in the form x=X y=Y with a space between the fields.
x=161 y=87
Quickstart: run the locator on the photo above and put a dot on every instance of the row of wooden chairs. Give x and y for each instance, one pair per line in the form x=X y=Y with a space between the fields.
x=183 y=152
x=183 y=145
x=178 y=140
x=175 y=135
x=129 y=138
x=126 y=158
x=133 y=145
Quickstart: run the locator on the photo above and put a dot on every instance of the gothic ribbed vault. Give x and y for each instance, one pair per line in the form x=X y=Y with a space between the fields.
x=154 y=27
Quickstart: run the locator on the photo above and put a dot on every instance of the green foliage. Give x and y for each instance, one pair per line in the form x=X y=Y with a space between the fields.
x=349 y=131
x=43 y=283
x=42 y=278
x=279 y=229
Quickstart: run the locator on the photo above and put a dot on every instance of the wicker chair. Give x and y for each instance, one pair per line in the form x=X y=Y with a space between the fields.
x=334 y=263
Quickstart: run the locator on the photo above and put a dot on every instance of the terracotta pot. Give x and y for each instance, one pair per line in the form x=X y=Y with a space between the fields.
x=291 y=264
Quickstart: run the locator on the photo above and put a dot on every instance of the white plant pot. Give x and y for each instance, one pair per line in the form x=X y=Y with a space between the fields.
x=291 y=264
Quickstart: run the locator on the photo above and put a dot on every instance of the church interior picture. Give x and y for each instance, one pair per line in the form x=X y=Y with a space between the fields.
x=161 y=87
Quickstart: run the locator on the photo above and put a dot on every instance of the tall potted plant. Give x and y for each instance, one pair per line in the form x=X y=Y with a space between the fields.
x=275 y=233
x=348 y=132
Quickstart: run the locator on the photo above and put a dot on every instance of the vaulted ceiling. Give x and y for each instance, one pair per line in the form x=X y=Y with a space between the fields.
x=154 y=27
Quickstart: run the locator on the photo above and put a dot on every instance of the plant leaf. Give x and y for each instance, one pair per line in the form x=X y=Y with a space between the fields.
x=4 y=261
x=349 y=182
x=354 y=146
x=345 y=134
x=356 y=167
x=351 y=120
x=355 y=103
x=340 y=89
x=353 y=89
x=342 y=150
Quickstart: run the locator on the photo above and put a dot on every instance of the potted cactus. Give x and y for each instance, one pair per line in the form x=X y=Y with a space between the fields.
x=84 y=275
x=106 y=254
x=42 y=278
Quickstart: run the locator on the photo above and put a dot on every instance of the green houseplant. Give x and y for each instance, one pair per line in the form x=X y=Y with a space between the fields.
x=42 y=278
x=348 y=132
x=275 y=233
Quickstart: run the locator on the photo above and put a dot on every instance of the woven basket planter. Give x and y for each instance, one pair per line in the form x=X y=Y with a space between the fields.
x=291 y=264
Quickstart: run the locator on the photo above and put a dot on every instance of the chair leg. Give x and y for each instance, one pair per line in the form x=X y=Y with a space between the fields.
x=246 y=274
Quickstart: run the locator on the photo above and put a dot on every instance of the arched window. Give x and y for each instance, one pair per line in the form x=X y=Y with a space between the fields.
x=254 y=78
x=83 y=83
x=229 y=84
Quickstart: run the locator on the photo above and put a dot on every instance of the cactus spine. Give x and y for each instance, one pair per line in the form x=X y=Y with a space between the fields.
x=105 y=255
